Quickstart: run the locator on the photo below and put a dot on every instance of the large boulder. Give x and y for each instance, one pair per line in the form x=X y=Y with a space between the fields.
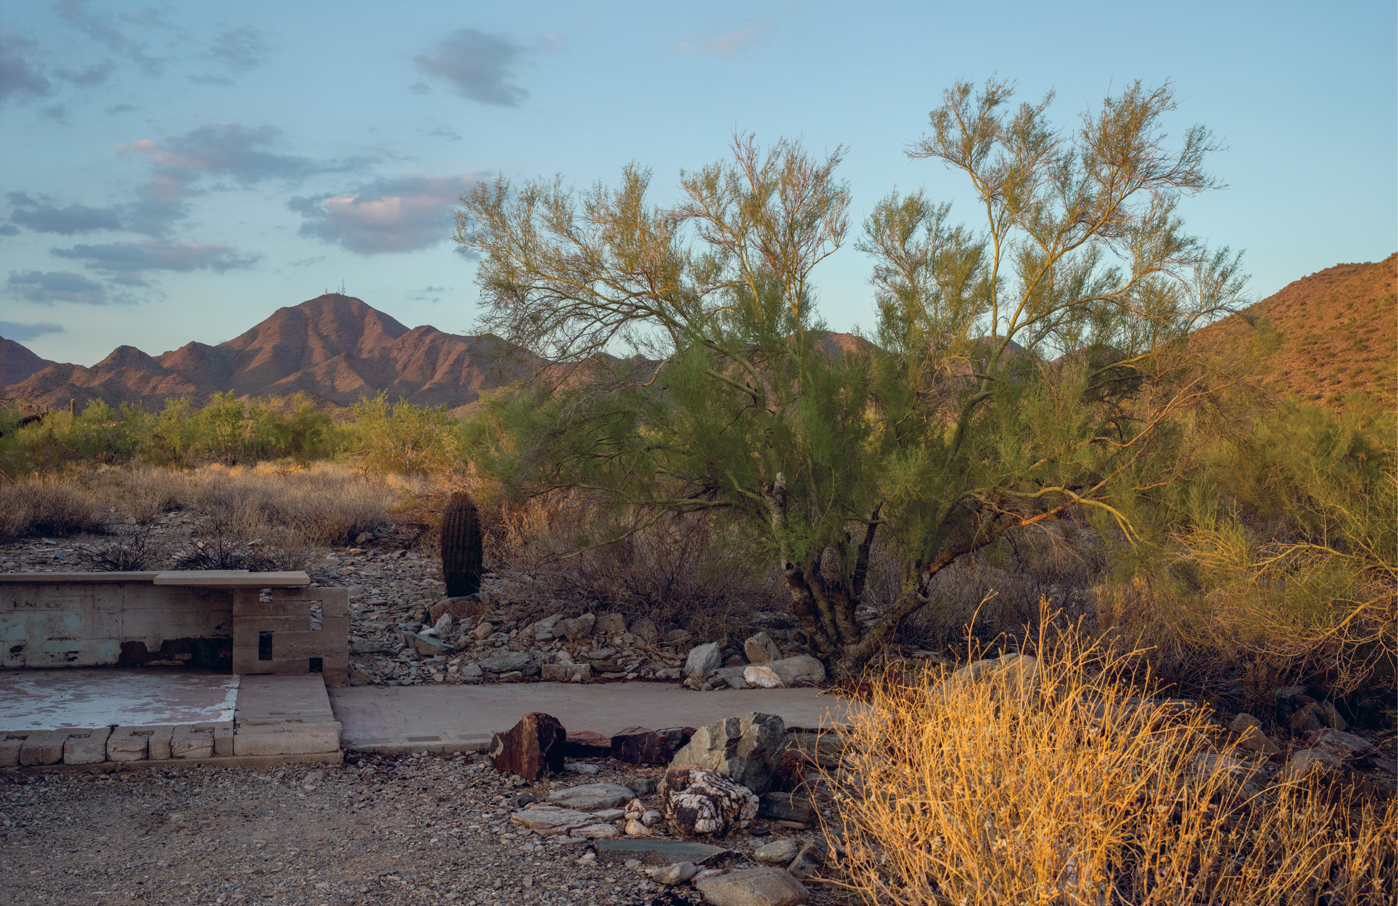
x=531 y=748
x=760 y=649
x=744 y=748
x=703 y=660
x=696 y=801
x=801 y=670
x=753 y=887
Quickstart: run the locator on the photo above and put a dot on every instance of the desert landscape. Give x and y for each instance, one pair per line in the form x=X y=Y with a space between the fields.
x=740 y=456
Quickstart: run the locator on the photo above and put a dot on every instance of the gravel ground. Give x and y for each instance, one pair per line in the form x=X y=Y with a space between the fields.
x=380 y=830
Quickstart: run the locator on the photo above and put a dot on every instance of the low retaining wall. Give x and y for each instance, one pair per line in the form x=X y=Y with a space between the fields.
x=196 y=618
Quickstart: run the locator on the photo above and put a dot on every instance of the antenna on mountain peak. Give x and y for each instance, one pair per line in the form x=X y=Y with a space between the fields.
x=342 y=286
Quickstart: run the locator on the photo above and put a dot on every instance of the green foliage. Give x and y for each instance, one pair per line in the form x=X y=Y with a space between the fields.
x=951 y=434
x=403 y=438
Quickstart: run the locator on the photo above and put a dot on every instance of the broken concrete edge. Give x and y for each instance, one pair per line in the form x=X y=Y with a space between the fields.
x=231 y=761
x=442 y=747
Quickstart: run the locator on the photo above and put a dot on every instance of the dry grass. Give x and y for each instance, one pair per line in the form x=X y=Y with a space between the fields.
x=283 y=507
x=1073 y=788
x=681 y=571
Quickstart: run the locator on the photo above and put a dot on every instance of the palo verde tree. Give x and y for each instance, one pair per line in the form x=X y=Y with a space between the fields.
x=951 y=431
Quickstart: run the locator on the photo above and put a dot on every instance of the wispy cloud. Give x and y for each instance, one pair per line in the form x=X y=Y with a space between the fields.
x=126 y=262
x=394 y=215
x=88 y=76
x=241 y=49
x=48 y=287
x=23 y=333
x=478 y=66
x=739 y=42
x=243 y=154
x=450 y=135
x=20 y=75
x=41 y=216
x=103 y=30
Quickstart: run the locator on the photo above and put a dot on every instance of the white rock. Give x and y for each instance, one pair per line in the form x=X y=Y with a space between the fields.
x=671 y=875
x=703 y=660
x=762 y=676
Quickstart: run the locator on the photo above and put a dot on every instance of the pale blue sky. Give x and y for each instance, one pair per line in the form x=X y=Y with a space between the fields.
x=178 y=172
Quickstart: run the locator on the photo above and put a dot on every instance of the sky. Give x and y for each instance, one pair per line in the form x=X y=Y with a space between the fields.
x=179 y=172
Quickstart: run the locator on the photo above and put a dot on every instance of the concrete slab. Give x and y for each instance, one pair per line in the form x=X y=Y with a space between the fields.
x=230 y=578
x=92 y=697
x=285 y=715
x=398 y=719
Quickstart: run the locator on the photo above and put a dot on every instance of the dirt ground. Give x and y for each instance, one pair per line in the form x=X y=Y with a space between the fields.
x=376 y=830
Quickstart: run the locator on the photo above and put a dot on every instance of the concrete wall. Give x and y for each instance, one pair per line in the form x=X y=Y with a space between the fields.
x=130 y=623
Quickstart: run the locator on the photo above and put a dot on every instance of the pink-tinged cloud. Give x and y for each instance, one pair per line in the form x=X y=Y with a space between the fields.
x=397 y=215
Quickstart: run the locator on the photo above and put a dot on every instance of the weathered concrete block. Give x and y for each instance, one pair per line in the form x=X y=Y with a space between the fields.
x=192 y=742
x=288 y=738
x=286 y=645
x=11 y=743
x=42 y=748
x=129 y=744
x=158 y=745
x=86 y=746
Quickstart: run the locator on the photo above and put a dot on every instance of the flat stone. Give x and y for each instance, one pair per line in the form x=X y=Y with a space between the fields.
x=593 y=796
x=1338 y=743
x=565 y=673
x=1304 y=762
x=576 y=627
x=778 y=852
x=428 y=646
x=655 y=851
x=504 y=663
x=785 y=807
x=753 y=887
x=587 y=744
x=637 y=745
x=670 y=875
x=550 y=820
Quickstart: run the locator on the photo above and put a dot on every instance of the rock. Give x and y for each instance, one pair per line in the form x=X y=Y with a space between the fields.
x=428 y=646
x=532 y=748
x=544 y=629
x=1018 y=672
x=1304 y=762
x=1290 y=699
x=443 y=625
x=753 y=887
x=730 y=676
x=611 y=624
x=643 y=786
x=806 y=862
x=637 y=745
x=778 y=852
x=762 y=676
x=456 y=608
x=670 y=875
x=644 y=628
x=677 y=637
x=358 y=676
x=657 y=850
x=604 y=660
x=553 y=821
x=636 y=811
x=471 y=671
x=1251 y=737
x=1338 y=743
x=1315 y=716
x=587 y=744
x=504 y=663
x=743 y=748
x=801 y=670
x=523 y=798
x=577 y=627
x=565 y=673
x=636 y=828
x=703 y=660
x=592 y=796
x=363 y=538
x=786 y=807
x=696 y=801
x=483 y=631
x=760 y=649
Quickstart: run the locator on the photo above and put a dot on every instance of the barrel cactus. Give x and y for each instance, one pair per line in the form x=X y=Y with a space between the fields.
x=462 y=559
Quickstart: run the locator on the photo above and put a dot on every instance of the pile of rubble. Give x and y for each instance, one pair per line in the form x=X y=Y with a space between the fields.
x=732 y=816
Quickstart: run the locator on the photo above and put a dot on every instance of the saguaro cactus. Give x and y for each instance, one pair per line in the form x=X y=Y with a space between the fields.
x=462 y=560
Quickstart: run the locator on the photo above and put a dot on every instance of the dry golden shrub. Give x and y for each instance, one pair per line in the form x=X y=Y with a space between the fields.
x=1069 y=786
x=47 y=506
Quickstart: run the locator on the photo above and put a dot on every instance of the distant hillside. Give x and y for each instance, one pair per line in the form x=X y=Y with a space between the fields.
x=334 y=348
x=18 y=363
x=1339 y=333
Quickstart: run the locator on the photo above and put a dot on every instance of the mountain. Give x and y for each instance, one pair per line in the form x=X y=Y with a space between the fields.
x=18 y=363
x=1338 y=333
x=334 y=348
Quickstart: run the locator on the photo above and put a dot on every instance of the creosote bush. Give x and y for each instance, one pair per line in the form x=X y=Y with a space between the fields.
x=1070 y=785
